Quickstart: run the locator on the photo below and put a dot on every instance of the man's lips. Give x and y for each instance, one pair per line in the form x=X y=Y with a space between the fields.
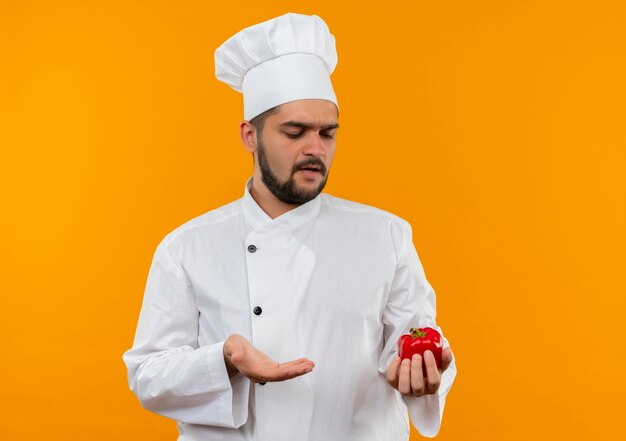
x=311 y=169
x=310 y=172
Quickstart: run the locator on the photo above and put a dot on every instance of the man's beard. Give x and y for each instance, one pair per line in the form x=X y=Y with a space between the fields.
x=288 y=192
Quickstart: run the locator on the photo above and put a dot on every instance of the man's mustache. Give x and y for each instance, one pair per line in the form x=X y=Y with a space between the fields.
x=313 y=162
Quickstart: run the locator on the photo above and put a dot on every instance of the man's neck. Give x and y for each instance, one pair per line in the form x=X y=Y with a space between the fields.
x=269 y=203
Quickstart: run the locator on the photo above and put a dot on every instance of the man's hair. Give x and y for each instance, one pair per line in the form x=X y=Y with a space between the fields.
x=259 y=121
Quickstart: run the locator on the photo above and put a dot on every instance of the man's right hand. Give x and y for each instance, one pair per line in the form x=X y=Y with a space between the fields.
x=241 y=356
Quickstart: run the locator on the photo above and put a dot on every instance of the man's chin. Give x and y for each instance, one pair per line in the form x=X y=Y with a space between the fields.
x=311 y=185
x=304 y=194
x=298 y=190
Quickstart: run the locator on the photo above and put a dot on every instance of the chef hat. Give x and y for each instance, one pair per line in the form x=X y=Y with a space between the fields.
x=283 y=59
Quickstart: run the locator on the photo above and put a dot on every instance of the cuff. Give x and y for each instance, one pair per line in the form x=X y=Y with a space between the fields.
x=425 y=413
x=233 y=409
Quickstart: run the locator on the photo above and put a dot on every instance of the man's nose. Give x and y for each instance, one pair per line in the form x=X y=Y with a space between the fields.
x=314 y=145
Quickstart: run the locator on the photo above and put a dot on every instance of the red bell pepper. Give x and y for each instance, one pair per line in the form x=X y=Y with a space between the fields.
x=417 y=342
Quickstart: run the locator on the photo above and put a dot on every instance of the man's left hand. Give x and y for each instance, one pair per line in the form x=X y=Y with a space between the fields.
x=407 y=376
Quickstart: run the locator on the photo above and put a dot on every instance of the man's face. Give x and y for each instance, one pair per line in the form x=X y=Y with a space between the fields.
x=296 y=148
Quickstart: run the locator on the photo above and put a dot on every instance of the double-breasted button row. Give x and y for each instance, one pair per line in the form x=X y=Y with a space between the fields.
x=257 y=309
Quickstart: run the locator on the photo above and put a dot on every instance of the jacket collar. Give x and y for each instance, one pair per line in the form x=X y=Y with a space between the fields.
x=257 y=219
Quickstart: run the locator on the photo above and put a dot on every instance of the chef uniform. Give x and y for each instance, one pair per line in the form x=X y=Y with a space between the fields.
x=332 y=280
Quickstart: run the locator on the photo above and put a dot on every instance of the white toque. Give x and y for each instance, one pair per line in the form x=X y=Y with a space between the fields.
x=284 y=59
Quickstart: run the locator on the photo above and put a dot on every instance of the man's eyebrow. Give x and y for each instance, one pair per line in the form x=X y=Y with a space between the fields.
x=308 y=125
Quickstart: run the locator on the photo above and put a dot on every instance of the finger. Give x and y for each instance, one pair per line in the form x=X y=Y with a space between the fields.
x=299 y=360
x=404 y=378
x=296 y=368
x=285 y=371
x=446 y=359
x=433 y=376
x=288 y=370
x=392 y=372
x=417 y=377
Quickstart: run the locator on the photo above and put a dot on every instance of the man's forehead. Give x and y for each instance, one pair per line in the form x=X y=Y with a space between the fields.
x=310 y=124
x=307 y=113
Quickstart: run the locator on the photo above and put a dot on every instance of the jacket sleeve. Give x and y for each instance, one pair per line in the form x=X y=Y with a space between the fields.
x=411 y=303
x=167 y=370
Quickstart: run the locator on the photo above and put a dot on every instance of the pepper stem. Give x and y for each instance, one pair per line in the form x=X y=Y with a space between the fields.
x=417 y=333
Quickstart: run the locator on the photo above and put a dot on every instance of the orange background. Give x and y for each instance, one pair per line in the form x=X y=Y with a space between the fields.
x=496 y=128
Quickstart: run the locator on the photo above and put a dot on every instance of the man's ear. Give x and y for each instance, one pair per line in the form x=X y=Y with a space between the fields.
x=248 y=136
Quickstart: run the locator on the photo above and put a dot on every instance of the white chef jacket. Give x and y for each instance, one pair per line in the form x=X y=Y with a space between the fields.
x=335 y=281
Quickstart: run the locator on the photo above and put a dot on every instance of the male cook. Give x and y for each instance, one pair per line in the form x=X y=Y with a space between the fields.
x=276 y=317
